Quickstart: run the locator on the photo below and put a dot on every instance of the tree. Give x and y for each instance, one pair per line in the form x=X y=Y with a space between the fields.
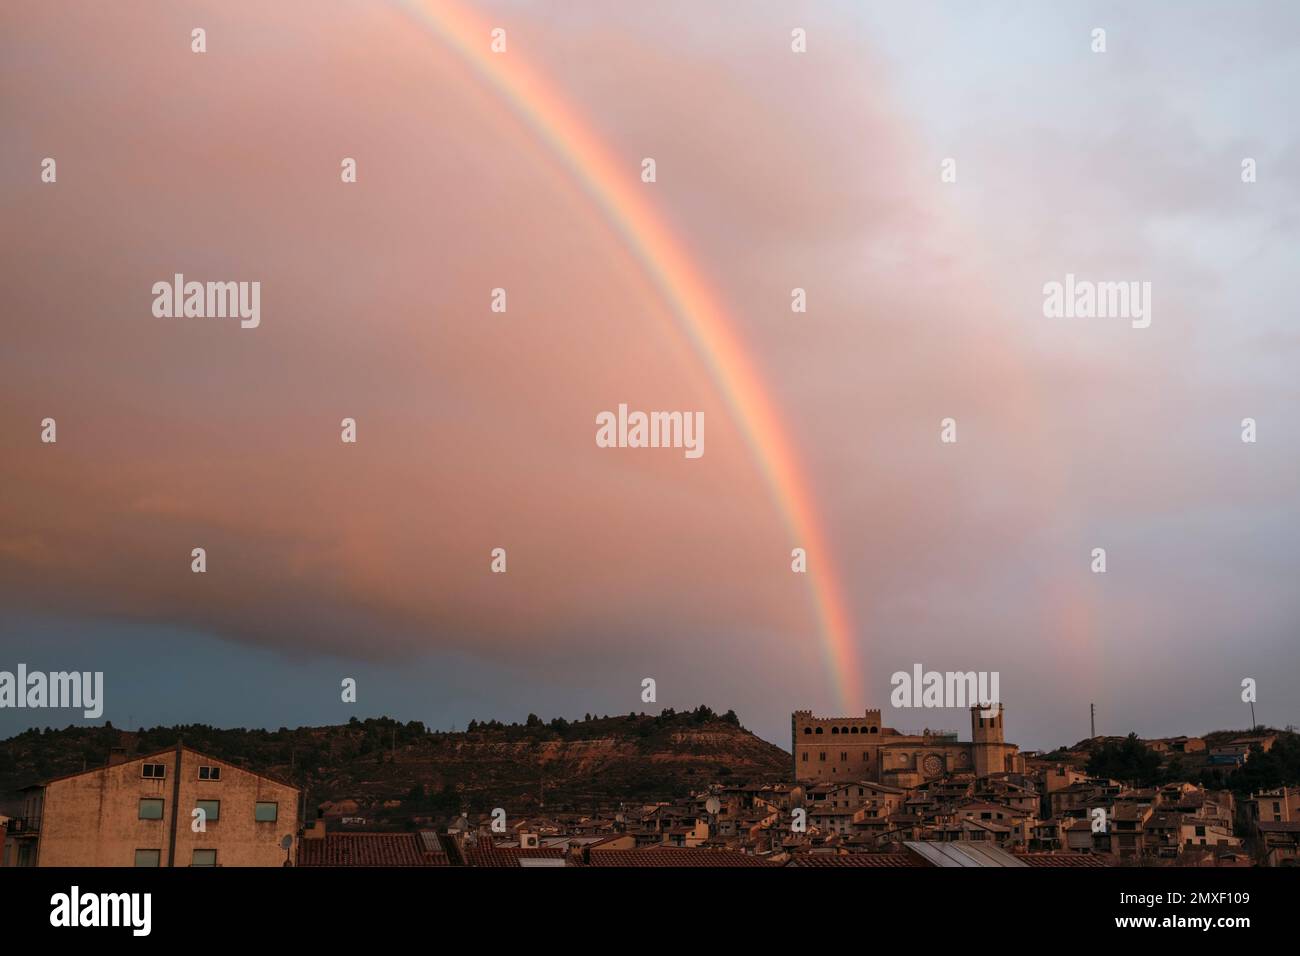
x=1131 y=761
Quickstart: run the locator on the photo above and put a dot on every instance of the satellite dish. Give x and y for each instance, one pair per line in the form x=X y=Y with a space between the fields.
x=713 y=805
x=286 y=842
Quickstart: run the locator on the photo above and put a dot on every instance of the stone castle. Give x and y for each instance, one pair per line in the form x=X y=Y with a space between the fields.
x=842 y=749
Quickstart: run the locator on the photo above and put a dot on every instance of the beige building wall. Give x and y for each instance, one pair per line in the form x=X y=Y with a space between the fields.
x=93 y=818
x=842 y=749
x=1062 y=776
x=1275 y=806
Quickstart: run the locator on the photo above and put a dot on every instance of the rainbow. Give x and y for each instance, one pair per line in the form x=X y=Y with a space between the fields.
x=619 y=193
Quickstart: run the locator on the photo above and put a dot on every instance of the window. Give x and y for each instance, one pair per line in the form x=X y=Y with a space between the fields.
x=209 y=773
x=805 y=756
x=204 y=858
x=835 y=730
x=822 y=756
x=153 y=771
x=211 y=810
x=807 y=730
x=147 y=857
x=819 y=730
x=843 y=756
x=266 y=812
x=151 y=808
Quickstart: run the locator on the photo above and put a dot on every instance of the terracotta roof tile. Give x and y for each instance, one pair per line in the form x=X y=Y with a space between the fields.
x=1062 y=859
x=508 y=855
x=367 y=849
x=672 y=856
x=856 y=859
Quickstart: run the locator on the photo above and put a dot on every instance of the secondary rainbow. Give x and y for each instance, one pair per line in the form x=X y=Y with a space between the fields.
x=623 y=199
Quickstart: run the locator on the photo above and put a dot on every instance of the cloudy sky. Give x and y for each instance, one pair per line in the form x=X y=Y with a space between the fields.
x=775 y=171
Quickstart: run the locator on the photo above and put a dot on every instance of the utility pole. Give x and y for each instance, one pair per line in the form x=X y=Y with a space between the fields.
x=1093 y=709
x=1253 y=725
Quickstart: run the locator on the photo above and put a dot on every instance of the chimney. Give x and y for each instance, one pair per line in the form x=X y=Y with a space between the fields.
x=116 y=756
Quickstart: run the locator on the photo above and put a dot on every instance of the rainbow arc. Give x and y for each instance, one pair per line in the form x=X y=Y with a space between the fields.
x=698 y=310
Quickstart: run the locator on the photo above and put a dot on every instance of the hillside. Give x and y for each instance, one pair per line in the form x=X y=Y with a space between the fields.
x=381 y=767
x=1131 y=760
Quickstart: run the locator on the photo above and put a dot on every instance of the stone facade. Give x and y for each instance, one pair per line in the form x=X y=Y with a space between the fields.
x=840 y=749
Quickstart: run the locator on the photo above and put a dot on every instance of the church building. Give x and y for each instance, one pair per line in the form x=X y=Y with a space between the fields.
x=831 y=749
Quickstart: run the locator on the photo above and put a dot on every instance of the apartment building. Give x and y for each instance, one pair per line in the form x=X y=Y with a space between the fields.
x=175 y=807
x=1274 y=806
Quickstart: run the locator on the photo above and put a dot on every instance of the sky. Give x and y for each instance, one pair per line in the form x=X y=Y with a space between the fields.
x=775 y=170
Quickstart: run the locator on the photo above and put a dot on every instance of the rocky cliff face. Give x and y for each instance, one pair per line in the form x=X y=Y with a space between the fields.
x=632 y=764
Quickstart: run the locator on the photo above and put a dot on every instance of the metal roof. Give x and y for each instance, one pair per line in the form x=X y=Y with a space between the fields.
x=963 y=853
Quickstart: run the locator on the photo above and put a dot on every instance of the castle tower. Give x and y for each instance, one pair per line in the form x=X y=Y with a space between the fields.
x=988 y=746
x=798 y=720
x=835 y=749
